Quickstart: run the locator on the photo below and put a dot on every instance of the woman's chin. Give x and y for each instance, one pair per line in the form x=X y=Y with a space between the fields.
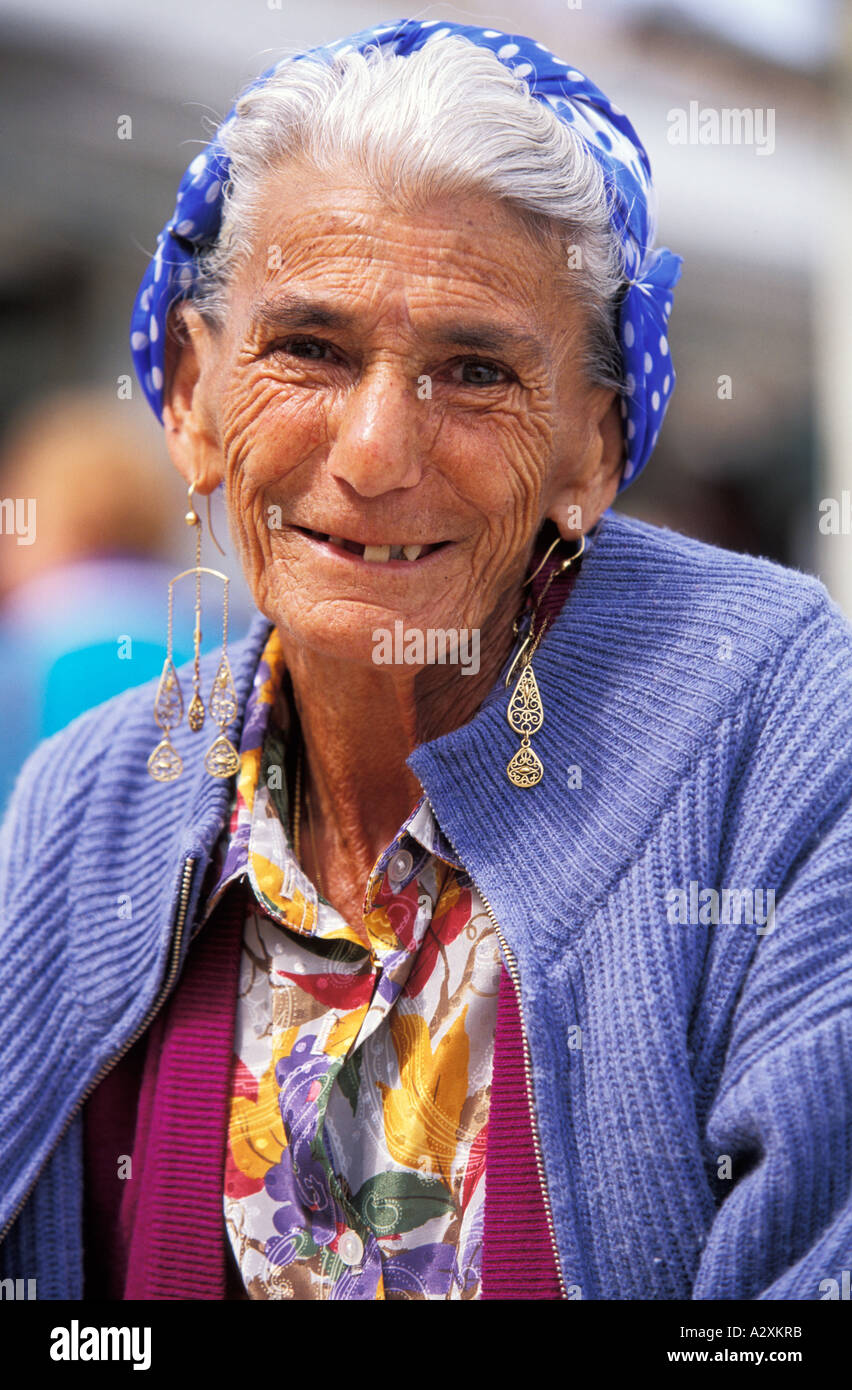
x=334 y=639
x=377 y=639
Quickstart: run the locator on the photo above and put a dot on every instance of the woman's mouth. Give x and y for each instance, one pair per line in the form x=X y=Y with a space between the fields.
x=378 y=554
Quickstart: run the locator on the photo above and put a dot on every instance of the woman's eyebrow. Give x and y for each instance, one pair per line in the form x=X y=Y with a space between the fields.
x=488 y=337
x=291 y=311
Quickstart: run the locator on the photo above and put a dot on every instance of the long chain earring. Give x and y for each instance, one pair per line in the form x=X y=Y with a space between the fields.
x=525 y=712
x=222 y=759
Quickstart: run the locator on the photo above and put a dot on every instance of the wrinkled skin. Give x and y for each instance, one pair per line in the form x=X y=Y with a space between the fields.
x=326 y=421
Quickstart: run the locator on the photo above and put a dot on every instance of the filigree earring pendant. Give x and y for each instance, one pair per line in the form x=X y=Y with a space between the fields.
x=526 y=712
x=526 y=717
x=222 y=759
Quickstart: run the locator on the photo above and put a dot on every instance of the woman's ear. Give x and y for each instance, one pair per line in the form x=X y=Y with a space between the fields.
x=582 y=501
x=191 y=435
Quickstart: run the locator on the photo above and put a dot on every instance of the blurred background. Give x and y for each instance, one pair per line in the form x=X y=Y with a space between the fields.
x=754 y=441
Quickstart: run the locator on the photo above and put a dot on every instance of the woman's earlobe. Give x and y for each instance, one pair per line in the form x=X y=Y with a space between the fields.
x=569 y=519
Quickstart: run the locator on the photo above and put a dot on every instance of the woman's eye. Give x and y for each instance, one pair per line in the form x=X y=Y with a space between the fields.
x=475 y=373
x=314 y=349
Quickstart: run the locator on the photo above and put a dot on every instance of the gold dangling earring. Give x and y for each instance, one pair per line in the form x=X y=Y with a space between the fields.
x=195 y=713
x=525 y=712
x=222 y=759
x=165 y=763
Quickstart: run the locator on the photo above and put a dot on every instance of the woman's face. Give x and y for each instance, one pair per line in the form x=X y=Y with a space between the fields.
x=391 y=380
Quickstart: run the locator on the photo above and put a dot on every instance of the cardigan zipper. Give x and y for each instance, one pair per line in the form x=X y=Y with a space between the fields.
x=162 y=995
x=514 y=976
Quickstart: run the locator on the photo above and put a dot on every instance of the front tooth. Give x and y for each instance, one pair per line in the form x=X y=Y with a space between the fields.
x=396 y=552
x=377 y=552
x=411 y=552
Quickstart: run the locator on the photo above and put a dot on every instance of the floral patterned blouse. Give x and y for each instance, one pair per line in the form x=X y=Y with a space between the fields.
x=362 y=1078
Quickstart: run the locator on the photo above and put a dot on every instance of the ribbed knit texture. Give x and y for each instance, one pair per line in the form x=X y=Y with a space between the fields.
x=705 y=700
x=109 y=1128
x=517 y=1251
x=185 y=1099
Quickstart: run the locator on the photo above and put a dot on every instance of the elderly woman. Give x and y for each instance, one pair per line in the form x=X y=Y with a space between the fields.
x=479 y=927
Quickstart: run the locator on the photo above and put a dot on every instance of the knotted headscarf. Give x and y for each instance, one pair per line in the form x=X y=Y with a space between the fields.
x=649 y=377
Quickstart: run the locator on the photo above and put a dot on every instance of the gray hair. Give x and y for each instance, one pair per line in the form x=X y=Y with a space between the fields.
x=448 y=120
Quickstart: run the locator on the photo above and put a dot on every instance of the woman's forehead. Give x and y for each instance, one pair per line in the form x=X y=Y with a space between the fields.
x=299 y=201
x=322 y=249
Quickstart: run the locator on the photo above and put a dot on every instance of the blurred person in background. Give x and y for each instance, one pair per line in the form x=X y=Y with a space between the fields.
x=82 y=597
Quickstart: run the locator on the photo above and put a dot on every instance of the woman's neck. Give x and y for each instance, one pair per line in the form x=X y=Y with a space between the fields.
x=359 y=725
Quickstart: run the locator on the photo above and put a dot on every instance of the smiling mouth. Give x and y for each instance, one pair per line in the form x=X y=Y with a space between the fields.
x=373 y=554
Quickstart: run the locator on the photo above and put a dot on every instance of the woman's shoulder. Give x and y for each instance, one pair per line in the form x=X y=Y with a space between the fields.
x=660 y=548
x=679 y=578
x=669 y=634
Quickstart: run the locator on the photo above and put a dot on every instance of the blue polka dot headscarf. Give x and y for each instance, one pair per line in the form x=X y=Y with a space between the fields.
x=649 y=377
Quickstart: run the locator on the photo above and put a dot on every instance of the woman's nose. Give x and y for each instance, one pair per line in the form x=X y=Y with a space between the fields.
x=379 y=441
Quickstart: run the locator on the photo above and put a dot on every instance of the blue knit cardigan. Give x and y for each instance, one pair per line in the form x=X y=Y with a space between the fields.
x=692 y=1081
